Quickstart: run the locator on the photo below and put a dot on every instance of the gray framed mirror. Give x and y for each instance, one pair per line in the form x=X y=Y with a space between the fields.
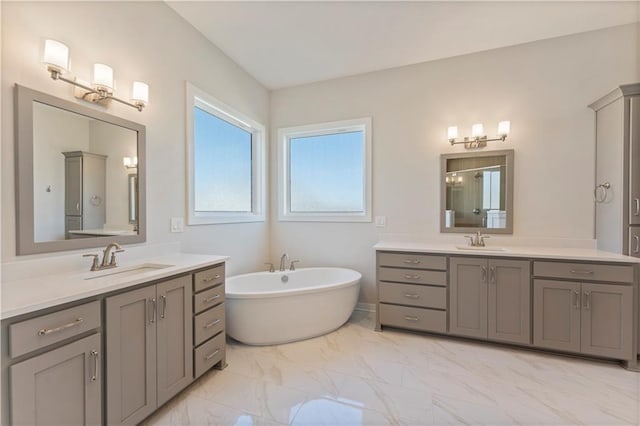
x=73 y=190
x=477 y=192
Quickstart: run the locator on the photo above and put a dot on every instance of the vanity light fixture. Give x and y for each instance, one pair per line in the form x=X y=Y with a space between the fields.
x=130 y=162
x=478 y=137
x=56 y=56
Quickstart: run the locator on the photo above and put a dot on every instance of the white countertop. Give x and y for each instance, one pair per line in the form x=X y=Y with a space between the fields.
x=558 y=253
x=32 y=294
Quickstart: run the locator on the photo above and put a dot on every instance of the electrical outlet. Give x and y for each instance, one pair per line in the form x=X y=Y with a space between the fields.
x=177 y=224
x=381 y=221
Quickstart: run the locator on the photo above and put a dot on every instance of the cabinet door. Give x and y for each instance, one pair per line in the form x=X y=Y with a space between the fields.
x=634 y=166
x=131 y=356
x=509 y=298
x=61 y=387
x=73 y=186
x=93 y=191
x=607 y=312
x=468 y=297
x=175 y=337
x=556 y=315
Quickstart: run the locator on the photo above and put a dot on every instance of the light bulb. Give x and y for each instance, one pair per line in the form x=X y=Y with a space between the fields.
x=56 y=55
x=140 y=93
x=103 y=76
x=504 y=127
x=452 y=132
x=477 y=130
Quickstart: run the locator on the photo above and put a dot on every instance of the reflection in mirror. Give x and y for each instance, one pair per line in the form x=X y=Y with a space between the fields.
x=73 y=190
x=477 y=192
x=133 y=200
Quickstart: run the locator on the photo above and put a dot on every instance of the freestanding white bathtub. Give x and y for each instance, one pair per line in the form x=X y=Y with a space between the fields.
x=267 y=308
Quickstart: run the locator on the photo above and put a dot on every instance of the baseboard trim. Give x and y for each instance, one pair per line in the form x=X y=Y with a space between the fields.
x=366 y=307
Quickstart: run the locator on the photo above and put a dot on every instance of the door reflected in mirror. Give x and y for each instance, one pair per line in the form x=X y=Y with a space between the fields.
x=477 y=192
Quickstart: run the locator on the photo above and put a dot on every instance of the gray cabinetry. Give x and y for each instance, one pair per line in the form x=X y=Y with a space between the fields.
x=617 y=190
x=85 y=190
x=209 y=345
x=59 y=387
x=490 y=298
x=412 y=291
x=54 y=367
x=594 y=318
x=149 y=338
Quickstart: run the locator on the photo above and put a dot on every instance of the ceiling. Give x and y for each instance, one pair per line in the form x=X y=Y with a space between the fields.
x=285 y=44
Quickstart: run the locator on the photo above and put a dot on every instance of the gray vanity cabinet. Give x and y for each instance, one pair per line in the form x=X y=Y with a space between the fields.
x=149 y=340
x=594 y=319
x=617 y=186
x=490 y=298
x=59 y=387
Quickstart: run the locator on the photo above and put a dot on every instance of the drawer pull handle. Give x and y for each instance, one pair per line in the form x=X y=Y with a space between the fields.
x=636 y=210
x=46 y=331
x=208 y=357
x=410 y=318
x=412 y=277
x=581 y=271
x=412 y=296
x=411 y=261
x=212 y=323
x=211 y=299
x=209 y=279
x=94 y=376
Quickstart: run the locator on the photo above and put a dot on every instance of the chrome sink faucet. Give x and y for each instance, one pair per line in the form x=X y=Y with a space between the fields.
x=108 y=257
x=283 y=261
x=477 y=240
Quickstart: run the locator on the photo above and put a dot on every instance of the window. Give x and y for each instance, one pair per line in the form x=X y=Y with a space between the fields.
x=325 y=172
x=225 y=162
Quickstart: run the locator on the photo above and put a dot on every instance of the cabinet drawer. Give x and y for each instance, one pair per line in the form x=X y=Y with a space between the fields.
x=412 y=260
x=584 y=271
x=209 y=354
x=413 y=276
x=413 y=318
x=413 y=295
x=208 y=278
x=208 y=298
x=45 y=330
x=209 y=323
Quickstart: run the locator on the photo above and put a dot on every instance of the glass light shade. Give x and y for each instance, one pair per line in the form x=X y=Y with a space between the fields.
x=103 y=76
x=452 y=132
x=130 y=161
x=504 y=127
x=477 y=130
x=56 y=55
x=140 y=92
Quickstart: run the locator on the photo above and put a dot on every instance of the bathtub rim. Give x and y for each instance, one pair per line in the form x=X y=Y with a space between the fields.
x=292 y=292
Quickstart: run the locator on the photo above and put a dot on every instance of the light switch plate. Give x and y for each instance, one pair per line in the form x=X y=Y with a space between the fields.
x=177 y=224
x=381 y=221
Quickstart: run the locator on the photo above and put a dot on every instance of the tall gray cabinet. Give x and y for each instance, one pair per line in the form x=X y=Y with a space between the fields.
x=617 y=186
x=84 y=191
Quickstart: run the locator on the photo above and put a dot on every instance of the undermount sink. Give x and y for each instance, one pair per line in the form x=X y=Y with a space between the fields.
x=480 y=248
x=127 y=271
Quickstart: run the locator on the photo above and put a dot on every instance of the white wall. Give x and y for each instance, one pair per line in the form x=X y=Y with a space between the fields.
x=542 y=87
x=61 y=132
x=142 y=41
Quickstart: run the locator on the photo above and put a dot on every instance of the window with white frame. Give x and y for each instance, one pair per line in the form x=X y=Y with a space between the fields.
x=225 y=163
x=324 y=172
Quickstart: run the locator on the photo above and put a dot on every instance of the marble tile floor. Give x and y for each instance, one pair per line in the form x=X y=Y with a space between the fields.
x=356 y=376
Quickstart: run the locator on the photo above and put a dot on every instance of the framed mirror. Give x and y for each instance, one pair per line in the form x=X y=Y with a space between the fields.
x=73 y=189
x=477 y=192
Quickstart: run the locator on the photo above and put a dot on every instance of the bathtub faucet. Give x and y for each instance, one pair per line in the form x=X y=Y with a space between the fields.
x=283 y=261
